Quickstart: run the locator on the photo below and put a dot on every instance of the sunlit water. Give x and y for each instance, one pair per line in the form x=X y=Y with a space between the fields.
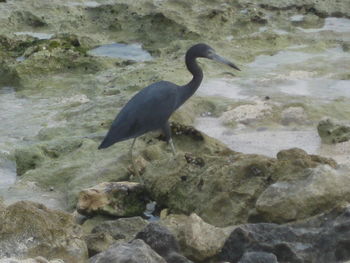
x=124 y=51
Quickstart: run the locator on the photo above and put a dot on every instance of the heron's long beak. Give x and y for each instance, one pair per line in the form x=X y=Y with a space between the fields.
x=217 y=58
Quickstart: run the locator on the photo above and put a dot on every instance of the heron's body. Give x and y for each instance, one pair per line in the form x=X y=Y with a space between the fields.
x=151 y=108
x=155 y=104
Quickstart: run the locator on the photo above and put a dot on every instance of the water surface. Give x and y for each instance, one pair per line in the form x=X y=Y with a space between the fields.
x=124 y=51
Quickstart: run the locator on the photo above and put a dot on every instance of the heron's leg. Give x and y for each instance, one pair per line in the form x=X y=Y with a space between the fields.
x=167 y=133
x=172 y=146
x=136 y=171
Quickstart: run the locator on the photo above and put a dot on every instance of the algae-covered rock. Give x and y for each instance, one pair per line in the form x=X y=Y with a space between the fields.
x=122 y=228
x=30 y=229
x=332 y=132
x=28 y=158
x=111 y=231
x=223 y=186
x=320 y=190
x=119 y=199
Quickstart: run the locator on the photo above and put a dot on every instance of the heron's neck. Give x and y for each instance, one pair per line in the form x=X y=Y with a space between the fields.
x=196 y=71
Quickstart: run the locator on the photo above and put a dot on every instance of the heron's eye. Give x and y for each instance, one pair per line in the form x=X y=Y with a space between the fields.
x=210 y=52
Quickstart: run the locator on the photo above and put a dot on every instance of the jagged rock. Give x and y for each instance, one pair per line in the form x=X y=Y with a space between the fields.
x=136 y=251
x=30 y=229
x=198 y=240
x=163 y=242
x=323 y=238
x=120 y=199
x=111 y=231
x=332 y=132
x=320 y=190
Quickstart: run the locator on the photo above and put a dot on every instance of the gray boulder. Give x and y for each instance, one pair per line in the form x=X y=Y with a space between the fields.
x=163 y=242
x=136 y=251
x=324 y=238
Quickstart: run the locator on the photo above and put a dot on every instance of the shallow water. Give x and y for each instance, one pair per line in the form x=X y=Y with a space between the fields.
x=124 y=51
x=20 y=118
x=290 y=74
x=84 y=3
x=267 y=141
x=335 y=24
x=35 y=34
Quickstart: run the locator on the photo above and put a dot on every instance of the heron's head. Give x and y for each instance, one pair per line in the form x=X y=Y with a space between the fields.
x=205 y=51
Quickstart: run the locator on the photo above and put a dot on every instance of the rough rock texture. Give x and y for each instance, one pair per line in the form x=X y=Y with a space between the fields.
x=30 y=260
x=224 y=190
x=163 y=242
x=321 y=190
x=323 y=239
x=247 y=114
x=258 y=257
x=322 y=8
x=111 y=231
x=29 y=229
x=136 y=251
x=198 y=240
x=332 y=132
x=121 y=199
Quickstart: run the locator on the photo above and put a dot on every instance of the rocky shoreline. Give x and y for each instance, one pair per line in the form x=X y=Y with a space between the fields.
x=69 y=202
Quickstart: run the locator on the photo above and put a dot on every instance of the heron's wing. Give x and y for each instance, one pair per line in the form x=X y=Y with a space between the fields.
x=148 y=110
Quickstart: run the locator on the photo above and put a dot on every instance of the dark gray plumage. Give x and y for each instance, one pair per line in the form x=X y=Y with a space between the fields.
x=151 y=107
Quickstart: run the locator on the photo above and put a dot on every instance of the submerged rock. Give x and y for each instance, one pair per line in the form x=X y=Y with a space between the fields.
x=323 y=239
x=136 y=251
x=119 y=199
x=294 y=115
x=332 y=132
x=30 y=229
